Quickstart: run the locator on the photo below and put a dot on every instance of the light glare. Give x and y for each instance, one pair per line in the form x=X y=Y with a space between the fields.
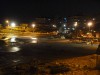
x=13 y=24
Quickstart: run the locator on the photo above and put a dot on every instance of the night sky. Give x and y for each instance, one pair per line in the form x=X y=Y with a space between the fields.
x=29 y=9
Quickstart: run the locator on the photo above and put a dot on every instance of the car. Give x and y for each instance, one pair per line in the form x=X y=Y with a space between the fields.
x=22 y=40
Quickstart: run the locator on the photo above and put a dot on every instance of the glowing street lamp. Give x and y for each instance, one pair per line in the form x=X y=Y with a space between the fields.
x=33 y=25
x=54 y=26
x=75 y=24
x=64 y=25
x=7 y=21
x=89 y=25
x=13 y=24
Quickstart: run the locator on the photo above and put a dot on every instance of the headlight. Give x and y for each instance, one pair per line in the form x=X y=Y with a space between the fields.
x=14 y=49
x=34 y=38
x=13 y=39
x=34 y=41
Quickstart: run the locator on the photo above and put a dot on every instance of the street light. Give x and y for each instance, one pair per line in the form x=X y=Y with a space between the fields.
x=64 y=25
x=7 y=21
x=54 y=26
x=13 y=24
x=33 y=25
x=75 y=24
x=89 y=25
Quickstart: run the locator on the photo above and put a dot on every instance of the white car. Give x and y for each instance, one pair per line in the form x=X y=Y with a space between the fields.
x=23 y=40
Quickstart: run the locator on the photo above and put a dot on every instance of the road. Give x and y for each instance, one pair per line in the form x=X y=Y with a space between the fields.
x=46 y=51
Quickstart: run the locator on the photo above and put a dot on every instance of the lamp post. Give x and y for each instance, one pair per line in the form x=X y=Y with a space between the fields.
x=75 y=25
x=89 y=25
x=90 y=34
x=7 y=22
x=33 y=25
x=54 y=26
x=12 y=25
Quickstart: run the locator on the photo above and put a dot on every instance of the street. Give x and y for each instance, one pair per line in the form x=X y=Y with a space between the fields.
x=45 y=50
x=61 y=54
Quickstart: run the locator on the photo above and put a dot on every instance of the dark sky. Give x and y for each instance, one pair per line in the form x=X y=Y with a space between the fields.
x=28 y=9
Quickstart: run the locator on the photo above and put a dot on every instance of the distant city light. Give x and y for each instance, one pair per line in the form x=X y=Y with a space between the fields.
x=64 y=25
x=88 y=33
x=78 y=20
x=7 y=21
x=65 y=28
x=54 y=26
x=68 y=28
x=73 y=28
x=49 y=19
x=65 y=19
x=93 y=18
x=83 y=27
x=84 y=20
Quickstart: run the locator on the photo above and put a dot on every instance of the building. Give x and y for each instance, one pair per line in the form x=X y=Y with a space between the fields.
x=97 y=35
